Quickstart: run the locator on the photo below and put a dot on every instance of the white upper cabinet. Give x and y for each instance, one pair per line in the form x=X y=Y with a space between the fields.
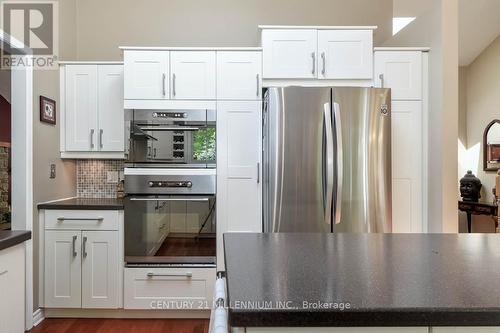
x=289 y=53
x=193 y=74
x=110 y=108
x=401 y=71
x=239 y=75
x=92 y=114
x=81 y=108
x=345 y=54
x=146 y=74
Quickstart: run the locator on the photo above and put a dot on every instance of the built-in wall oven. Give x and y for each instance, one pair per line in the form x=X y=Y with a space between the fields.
x=170 y=217
x=171 y=138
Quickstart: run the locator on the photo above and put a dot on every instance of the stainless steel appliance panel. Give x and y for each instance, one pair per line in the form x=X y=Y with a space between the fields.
x=171 y=184
x=362 y=124
x=295 y=167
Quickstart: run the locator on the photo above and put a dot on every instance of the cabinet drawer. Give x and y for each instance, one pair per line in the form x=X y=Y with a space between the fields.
x=82 y=219
x=169 y=288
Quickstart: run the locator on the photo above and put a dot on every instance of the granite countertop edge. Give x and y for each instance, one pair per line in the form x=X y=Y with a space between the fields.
x=84 y=204
x=10 y=238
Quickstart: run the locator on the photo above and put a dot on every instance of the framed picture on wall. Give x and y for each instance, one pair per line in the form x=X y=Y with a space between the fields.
x=47 y=110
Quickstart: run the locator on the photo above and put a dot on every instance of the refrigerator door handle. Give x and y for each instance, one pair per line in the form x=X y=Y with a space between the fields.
x=340 y=162
x=329 y=162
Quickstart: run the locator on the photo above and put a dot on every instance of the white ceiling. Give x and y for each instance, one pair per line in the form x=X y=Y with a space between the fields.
x=479 y=25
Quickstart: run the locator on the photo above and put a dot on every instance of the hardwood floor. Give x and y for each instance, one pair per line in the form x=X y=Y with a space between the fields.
x=180 y=247
x=59 y=325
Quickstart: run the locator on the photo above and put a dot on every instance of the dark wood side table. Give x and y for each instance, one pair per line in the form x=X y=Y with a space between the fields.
x=478 y=208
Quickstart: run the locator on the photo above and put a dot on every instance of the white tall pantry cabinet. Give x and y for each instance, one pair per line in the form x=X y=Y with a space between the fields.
x=405 y=72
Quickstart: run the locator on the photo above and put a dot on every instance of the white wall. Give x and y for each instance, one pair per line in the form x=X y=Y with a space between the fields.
x=438 y=29
x=105 y=25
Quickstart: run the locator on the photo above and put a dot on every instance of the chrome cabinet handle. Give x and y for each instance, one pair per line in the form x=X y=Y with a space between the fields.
x=101 y=131
x=187 y=274
x=258 y=85
x=258 y=172
x=4 y=272
x=62 y=218
x=92 y=138
x=340 y=163
x=313 y=55
x=149 y=151
x=173 y=85
x=323 y=57
x=74 y=246
x=381 y=77
x=154 y=152
x=329 y=163
x=84 y=247
x=171 y=199
x=163 y=89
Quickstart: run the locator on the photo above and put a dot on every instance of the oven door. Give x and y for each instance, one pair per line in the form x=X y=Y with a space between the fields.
x=170 y=230
x=184 y=138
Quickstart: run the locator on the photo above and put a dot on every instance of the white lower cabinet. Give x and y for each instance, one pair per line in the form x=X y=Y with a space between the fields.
x=465 y=329
x=12 y=289
x=169 y=288
x=83 y=268
x=100 y=269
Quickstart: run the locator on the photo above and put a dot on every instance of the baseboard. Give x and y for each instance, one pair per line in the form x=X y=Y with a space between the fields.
x=130 y=314
x=38 y=317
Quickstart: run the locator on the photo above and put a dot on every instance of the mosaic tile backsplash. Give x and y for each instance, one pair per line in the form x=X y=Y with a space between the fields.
x=91 y=178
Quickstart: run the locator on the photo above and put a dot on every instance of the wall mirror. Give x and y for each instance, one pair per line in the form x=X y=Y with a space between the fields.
x=491 y=146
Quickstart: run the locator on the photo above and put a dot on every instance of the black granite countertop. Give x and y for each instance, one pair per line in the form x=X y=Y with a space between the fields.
x=85 y=204
x=9 y=238
x=386 y=280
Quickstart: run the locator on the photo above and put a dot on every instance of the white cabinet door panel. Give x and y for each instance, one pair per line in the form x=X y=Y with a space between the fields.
x=110 y=106
x=401 y=71
x=146 y=74
x=12 y=290
x=62 y=269
x=407 y=167
x=289 y=54
x=338 y=330
x=239 y=75
x=345 y=54
x=193 y=74
x=100 y=269
x=81 y=108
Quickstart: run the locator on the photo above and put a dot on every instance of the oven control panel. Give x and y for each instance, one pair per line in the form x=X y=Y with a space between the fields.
x=159 y=183
x=175 y=115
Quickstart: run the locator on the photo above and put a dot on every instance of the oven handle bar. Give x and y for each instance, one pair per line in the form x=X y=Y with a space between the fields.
x=171 y=199
x=171 y=128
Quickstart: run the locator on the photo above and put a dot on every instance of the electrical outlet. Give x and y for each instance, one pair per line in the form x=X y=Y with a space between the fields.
x=52 y=171
x=112 y=177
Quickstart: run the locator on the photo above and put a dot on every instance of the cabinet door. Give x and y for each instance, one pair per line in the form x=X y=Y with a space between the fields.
x=63 y=269
x=110 y=108
x=345 y=54
x=100 y=269
x=193 y=74
x=146 y=74
x=239 y=75
x=401 y=71
x=12 y=290
x=289 y=54
x=81 y=107
x=407 y=166
x=239 y=153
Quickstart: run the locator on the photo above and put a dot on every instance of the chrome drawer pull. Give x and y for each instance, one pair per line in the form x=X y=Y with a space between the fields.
x=84 y=246
x=62 y=218
x=187 y=274
x=73 y=246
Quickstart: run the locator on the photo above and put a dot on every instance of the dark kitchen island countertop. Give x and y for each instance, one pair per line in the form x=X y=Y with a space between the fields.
x=302 y=280
x=84 y=204
x=9 y=238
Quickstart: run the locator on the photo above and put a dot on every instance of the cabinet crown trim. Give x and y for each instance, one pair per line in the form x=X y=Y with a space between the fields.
x=166 y=48
x=320 y=27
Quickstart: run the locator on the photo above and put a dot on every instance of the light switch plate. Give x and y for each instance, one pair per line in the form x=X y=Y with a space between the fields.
x=52 y=171
x=111 y=177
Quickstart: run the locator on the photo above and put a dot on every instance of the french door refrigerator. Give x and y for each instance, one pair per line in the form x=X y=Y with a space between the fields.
x=327 y=160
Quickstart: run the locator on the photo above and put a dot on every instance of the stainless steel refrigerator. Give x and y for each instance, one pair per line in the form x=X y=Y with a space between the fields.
x=327 y=160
